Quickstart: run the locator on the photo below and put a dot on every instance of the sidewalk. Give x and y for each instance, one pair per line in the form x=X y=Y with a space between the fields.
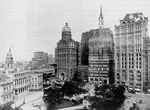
x=32 y=97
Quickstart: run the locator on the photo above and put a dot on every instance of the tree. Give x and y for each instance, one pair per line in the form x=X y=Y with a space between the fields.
x=79 y=77
x=52 y=97
x=70 y=88
x=107 y=97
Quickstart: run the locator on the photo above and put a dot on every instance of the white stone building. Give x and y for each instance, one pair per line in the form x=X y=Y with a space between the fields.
x=6 y=91
x=131 y=58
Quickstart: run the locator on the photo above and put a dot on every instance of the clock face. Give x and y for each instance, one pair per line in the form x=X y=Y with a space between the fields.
x=131 y=17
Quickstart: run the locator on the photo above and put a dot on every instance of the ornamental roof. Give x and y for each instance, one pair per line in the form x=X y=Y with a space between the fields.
x=134 y=16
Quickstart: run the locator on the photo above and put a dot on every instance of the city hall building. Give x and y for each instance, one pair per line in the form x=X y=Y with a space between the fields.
x=131 y=55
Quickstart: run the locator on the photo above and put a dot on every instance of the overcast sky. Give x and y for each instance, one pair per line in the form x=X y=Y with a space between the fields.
x=36 y=25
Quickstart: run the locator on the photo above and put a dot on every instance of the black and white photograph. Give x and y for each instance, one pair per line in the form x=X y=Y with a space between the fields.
x=74 y=55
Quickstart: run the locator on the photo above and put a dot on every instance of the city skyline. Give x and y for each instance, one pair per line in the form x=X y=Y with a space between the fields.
x=35 y=25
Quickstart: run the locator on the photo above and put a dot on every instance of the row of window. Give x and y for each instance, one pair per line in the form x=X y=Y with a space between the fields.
x=8 y=87
x=7 y=97
x=129 y=28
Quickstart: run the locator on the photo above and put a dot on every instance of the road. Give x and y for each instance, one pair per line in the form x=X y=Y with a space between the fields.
x=32 y=99
x=135 y=98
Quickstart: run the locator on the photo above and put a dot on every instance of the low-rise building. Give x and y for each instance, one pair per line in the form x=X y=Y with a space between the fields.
x=36 y=80
x=21 y=81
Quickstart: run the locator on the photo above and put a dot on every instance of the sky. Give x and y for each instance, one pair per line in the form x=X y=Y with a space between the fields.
x=28 y=26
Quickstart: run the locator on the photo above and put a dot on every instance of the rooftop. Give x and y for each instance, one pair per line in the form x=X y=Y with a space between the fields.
x=4 y=78
x=134 y=16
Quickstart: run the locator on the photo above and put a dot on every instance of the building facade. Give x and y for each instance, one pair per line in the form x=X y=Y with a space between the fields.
x=101 y=54
x=21 y=82
x=131 y=56
x=36 y=81
x=6 y=91
x=66 y=55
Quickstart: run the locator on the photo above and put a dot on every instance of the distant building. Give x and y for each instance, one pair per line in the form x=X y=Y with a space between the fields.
x=131 y=52
x=20 y=65
x=6 y=91
x=66 y=55
x=40 y=60
x=51 y=59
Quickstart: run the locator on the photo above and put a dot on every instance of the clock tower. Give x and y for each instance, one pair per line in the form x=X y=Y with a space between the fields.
x=9 y=62
x=101 y=19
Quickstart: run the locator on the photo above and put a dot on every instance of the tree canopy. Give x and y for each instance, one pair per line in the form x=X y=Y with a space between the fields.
x=107 y=97
x=54 y=95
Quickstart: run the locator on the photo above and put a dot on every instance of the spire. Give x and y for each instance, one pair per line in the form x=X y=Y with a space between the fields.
x=101 y=19
x=66 y=24
x=101 y=15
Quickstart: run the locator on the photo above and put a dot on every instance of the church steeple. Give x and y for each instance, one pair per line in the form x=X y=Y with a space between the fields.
x=101 y=19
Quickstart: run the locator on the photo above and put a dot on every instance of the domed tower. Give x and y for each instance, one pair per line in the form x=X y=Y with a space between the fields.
x=9 y=61
x=66 y=55
x=66 y=32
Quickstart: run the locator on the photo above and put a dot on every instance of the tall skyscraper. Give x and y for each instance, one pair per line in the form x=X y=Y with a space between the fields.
x=101 y=54
x=131 y=56
x=66 y=55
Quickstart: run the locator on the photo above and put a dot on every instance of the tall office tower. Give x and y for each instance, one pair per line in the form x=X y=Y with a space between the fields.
x=101 y=54
x=66 y=55
x=131 y=57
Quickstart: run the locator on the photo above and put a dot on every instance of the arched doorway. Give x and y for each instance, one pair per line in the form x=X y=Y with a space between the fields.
x=62 y=76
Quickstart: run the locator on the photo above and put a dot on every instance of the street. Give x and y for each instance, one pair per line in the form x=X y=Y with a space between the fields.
x=135 y=98
x=32 y=102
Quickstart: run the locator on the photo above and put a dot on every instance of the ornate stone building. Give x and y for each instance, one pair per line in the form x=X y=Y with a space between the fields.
x=66 y=55
x=131 y=55
x=101 y=54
